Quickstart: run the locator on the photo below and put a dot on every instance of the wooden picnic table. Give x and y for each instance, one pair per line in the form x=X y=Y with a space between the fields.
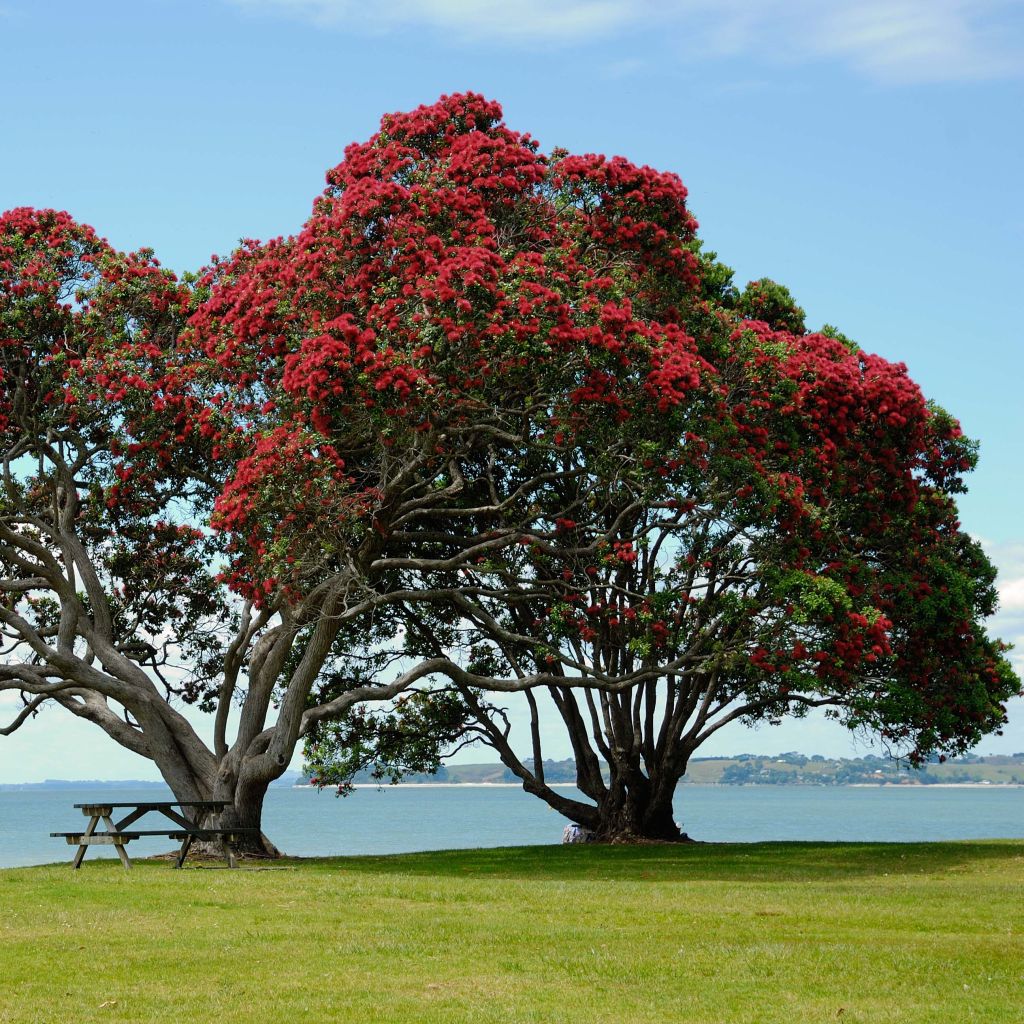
x=119 y=834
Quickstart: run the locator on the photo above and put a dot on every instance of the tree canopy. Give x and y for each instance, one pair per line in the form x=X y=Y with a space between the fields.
x=97 y=586
x=701 y=511
x=491 y=421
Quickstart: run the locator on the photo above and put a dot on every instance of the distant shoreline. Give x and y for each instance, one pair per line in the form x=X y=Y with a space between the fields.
x=134 y=784
x=934 y=785
x=439 y=785
x=716 y=785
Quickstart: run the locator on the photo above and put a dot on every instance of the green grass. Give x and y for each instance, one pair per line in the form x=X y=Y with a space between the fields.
x=713 y=934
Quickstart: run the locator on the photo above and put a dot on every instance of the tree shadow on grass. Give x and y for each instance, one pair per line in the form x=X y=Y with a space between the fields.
x=735 y=862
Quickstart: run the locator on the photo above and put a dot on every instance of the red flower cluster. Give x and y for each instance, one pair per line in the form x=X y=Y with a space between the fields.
x=450 y=267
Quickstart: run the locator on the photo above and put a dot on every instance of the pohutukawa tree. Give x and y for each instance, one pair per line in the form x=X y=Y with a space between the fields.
x=104 y=586
x=322 y=403
x=801 y=551
x=110 y=578
x=491 y=421
x=112 y=599
x=654 y=501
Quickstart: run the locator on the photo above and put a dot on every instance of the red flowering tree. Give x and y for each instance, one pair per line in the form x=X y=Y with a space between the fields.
x=617 y=482
x=112 y=599
x=393 y=393
x=105 y=580
x=493 y=422
x=801 y=551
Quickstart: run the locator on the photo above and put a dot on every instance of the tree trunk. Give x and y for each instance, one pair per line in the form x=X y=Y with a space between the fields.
x=633 y=811
x=246 y=811
x=244 y=797
x=636 y=810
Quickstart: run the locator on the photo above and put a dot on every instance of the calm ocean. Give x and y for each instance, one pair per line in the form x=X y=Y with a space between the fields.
x=304 y=822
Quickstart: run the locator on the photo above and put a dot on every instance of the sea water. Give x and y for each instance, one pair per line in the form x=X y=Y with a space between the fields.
x=397 y=819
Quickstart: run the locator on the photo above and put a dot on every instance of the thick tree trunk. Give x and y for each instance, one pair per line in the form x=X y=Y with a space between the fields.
x=633 y=811
x=627 y=819
x=245 y=804
x=246 y=811
x=636 y=810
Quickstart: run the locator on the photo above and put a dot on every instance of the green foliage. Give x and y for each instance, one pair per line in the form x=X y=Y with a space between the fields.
x=716 y=278
x=833 y=332
x=409 y=738
x=813 y=597
x=771 y=302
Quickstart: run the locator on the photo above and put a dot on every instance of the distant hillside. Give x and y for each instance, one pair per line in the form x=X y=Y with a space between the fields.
x=289 y=779
x=798 y=769
x=787 y=769
x=83 y=784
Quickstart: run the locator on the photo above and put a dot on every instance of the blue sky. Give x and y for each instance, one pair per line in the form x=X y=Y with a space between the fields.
x=866 y=154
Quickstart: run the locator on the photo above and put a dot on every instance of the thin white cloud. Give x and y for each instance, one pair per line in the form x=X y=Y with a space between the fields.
x=548 y=20
x=1011 y=595
x=911 y=40
x=885 y=40
x=1008 y=622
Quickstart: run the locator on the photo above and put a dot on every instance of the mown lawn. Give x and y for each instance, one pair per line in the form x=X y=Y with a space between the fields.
x=765 y=933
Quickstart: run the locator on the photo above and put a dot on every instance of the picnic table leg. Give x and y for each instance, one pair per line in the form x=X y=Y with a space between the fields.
x=121 y=851
x=82 y=846
x=186 y=843
x=229 y=854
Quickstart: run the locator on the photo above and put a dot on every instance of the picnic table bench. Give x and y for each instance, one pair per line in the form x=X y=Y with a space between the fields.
x=186 y=829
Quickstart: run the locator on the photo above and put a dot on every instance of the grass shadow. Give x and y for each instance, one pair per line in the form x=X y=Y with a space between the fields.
x=736 y=862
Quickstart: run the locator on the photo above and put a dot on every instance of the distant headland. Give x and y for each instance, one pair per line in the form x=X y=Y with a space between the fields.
x=785 y=769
